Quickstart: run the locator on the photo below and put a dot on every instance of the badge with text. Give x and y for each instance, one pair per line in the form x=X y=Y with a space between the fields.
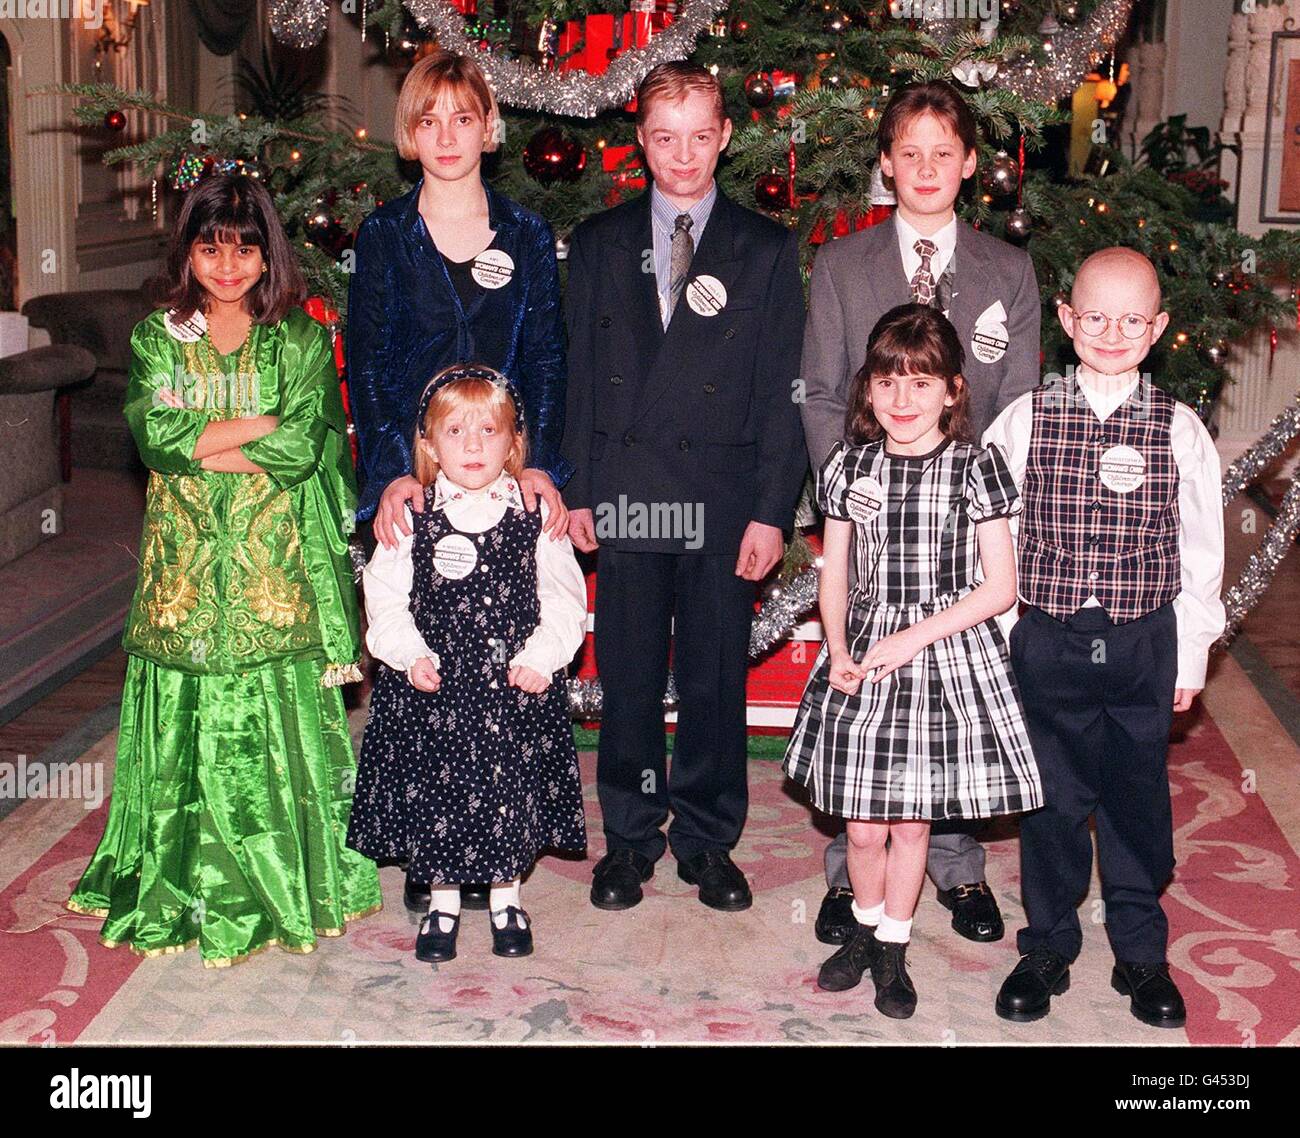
x=706 y=295
x=455 y=556
x=493 y=268
x=1122 y=469
x=988 y=343
x=186 y=331
x=865 y=498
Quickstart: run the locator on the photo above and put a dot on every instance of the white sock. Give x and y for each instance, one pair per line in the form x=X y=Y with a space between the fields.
x=447 y=904
x=893 y=930
x=499 y=897
x=868 y=916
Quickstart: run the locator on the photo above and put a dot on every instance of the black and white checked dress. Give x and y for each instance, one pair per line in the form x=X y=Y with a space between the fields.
x=943 y=736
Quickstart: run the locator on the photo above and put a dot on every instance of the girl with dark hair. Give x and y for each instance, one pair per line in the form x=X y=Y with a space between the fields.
x=234 y=770
x=936 y=730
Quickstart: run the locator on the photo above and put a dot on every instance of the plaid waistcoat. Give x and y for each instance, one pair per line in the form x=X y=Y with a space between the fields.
x=1098 y=519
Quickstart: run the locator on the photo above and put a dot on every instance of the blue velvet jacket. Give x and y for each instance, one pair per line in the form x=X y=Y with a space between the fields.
x=406 y=322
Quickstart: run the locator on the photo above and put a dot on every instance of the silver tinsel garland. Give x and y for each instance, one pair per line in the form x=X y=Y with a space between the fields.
x=299 y=23
x=1258 y=574
x=1247 y=469
x=1074 y=52
x=522 y=83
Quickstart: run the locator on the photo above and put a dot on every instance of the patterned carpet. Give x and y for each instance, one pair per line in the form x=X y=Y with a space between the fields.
x=672 y=970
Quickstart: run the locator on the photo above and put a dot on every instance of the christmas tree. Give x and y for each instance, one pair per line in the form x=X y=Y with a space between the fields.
x=805 y=83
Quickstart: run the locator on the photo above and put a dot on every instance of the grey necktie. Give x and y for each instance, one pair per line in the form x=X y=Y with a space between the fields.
x=679 y=264
x=922 y=283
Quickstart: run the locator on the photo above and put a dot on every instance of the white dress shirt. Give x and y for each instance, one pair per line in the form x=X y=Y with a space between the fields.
x=945 y=239
x=391 y=634
x=1198 y=609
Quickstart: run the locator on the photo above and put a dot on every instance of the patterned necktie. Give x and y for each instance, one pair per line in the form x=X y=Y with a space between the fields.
x=679 y=264
x=922 y=284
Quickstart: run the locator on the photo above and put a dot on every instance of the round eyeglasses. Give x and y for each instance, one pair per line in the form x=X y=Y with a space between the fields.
x=1132 y=325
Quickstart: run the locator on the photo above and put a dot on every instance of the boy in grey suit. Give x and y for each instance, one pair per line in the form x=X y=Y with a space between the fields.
x=988 y=290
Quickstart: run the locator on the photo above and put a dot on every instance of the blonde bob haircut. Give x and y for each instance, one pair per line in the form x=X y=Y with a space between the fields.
x=478 y=396
x=443 y=73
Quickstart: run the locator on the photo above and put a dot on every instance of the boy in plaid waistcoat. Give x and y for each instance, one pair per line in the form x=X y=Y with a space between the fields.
x=1120 y=557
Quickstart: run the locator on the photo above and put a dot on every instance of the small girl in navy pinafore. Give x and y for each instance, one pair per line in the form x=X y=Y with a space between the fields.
x=468 y=767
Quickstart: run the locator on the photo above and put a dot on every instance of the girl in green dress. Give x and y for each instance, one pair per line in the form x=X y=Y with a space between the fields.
x=235 y=770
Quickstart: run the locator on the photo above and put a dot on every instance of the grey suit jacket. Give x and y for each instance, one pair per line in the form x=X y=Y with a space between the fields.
x=858 y=278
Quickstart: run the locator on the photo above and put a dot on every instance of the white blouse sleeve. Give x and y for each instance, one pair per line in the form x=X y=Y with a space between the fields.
x=1011 y=432
x=562 y=595
x=391 y=634
x=1198 y=609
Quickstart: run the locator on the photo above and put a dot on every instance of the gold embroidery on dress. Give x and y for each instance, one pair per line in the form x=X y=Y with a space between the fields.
x=173 y=594
x=268 y=592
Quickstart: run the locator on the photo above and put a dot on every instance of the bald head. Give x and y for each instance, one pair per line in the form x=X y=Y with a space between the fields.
x=1107 y=272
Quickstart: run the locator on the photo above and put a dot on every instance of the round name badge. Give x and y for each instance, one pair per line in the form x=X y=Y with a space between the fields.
x=989 y=343
x=865 y=498
x=1122 y=469
x=454 y=556
x=706 y=295
x=493 y=268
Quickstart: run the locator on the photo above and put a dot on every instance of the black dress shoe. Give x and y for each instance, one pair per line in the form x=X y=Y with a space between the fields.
x=975 y=911
x=722 y=885
x=516 y=939
x=1026 y=995
x=844 y=969
x=616 y=880
x=475 y=897
x=895 y=996
x=415 y=896
x=1154 y=997
x=434 y=946
x=836 y=923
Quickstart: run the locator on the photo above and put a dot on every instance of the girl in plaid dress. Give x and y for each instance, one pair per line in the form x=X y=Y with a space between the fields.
x=911 y=713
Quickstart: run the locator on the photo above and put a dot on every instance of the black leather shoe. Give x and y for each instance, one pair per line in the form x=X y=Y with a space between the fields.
x=475 y=897
x=616 y=880
x=1026 y=995
x=516 y=939
x=1154 y=997
x=975 y=911
x=895 y=996
x=836 y=923
x=722 y=885
x=415 y=896
x=434 y=946
x=844 y=969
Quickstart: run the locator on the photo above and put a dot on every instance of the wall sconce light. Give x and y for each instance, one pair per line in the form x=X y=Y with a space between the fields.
x=115 y=34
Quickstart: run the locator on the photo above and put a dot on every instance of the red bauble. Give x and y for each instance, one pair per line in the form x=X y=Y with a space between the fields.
x=771 y=191
x=115 y=120
x=553 y=156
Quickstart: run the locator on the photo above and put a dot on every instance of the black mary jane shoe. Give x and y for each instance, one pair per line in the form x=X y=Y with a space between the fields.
x=1026 y=995
x=975 y=913
x=844 y=969
x=415 y=896
x=1154 y=998
x=475 y=897
x=836 y=923
x=722 y=885
x=434 y=946
x=895 y=995
x=516 y=939
x=616 y=880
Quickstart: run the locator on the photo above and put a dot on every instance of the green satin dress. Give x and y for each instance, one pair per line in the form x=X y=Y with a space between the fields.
x=233 y=787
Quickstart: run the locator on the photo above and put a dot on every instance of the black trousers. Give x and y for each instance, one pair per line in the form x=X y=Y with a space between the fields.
x=1099 y=704
x=639 y=596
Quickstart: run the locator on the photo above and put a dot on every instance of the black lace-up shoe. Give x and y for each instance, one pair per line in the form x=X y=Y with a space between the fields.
x=1026 y=995
x=722 y=885
x=1153 y=996
x=844 y=969
x=895 y=995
